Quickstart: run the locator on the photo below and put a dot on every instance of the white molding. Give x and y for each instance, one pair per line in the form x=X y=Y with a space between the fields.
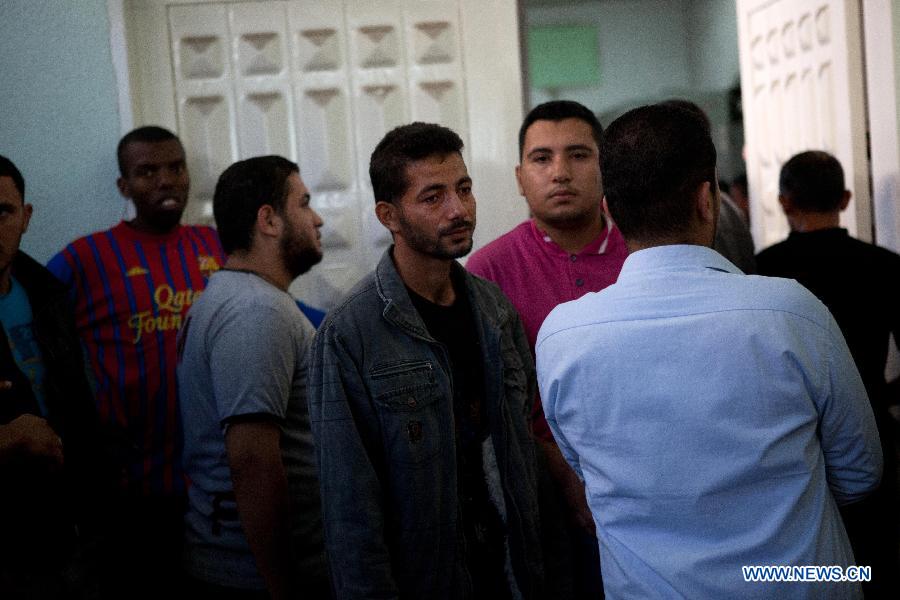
x=883 y=103
x=119 y=50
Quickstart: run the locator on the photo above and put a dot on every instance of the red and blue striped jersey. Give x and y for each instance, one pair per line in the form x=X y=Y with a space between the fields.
x=131 y=292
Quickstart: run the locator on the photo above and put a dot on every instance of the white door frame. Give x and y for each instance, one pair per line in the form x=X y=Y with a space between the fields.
x=881 y=24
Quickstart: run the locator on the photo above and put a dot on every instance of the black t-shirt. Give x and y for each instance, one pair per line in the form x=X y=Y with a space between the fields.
x=858 y=283
x=455 y=329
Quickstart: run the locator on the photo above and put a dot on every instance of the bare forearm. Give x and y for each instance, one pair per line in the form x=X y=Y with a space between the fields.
x=261 y=491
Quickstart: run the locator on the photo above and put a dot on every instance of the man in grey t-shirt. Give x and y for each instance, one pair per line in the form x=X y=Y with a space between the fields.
x=254 y=519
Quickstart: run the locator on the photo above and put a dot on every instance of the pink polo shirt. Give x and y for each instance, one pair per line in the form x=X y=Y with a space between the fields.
x=536 y=275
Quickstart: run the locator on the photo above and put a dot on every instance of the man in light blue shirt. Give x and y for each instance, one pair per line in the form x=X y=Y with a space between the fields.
x=717 y=419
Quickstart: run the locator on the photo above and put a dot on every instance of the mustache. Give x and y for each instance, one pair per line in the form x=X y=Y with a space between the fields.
x=456 y=224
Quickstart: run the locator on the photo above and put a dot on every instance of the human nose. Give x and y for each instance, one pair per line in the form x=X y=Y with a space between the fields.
x=166 y=178
x=561 y=171
x=456 y=205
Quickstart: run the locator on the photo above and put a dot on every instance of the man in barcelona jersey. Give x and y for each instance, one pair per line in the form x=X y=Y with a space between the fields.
x=131 y=287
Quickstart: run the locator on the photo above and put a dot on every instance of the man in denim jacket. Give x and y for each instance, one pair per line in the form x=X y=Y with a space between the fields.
x=420 y=390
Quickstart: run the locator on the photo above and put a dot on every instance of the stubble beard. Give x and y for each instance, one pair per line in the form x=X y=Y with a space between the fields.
x=435 y=246
x=298 y=254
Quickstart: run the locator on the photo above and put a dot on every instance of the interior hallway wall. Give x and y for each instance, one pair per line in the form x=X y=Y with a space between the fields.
x=60 y=122
x=642 y=45
x=652 y=50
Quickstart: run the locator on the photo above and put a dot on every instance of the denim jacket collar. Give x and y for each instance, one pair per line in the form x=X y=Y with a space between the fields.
x=399 y=309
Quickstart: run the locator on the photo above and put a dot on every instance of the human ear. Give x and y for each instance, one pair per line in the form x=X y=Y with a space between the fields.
x=387 y=215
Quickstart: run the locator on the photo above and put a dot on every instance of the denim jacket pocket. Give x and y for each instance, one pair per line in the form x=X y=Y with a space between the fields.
x=406 y=395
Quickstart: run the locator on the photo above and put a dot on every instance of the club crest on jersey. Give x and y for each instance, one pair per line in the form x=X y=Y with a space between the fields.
x=136 y=271
x=207 y=264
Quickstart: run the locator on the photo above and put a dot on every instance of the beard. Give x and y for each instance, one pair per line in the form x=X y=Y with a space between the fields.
x=298 y=254
x=437 y=246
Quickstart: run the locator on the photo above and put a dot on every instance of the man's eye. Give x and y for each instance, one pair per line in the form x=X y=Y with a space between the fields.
x=431 y=199
x=465 y=190
x=580 y=155
x=541 y=159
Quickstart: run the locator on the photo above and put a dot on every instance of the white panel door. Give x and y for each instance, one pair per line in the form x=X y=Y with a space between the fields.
x=802 y=89
x=320 y=82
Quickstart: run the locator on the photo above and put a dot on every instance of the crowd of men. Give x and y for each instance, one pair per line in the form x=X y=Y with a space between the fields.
x=602 y=401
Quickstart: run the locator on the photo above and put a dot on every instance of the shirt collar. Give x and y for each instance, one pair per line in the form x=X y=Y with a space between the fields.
x=597 y=246
x=676 y=257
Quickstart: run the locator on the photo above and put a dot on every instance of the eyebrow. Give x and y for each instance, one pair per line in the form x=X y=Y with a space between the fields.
x=440 y=186
x=569 y=148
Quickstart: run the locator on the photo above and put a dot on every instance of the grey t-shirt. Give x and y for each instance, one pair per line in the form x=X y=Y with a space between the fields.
x=244 y=351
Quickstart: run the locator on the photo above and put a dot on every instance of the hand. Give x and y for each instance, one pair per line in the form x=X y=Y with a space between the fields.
x=5 y=385
x=579 y=512
x=572 y=488
x=32 y=436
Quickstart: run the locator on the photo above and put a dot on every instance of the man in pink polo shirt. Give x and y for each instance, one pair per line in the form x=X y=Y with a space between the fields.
x=566 y=249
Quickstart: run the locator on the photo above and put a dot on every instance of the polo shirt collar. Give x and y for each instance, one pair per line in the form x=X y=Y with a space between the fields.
x=598 y=246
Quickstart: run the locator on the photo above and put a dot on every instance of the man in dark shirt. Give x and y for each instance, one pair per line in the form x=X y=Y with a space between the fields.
x=55 y=477
x=421 y=384
x=858 y=283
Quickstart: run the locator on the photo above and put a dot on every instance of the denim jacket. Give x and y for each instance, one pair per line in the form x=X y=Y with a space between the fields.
x=381 y=407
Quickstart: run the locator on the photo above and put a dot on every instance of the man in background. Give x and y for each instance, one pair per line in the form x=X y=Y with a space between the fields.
x=56 y=478
x=858 y=283
x=566 y=249
x=248 y=448
x=131 y=287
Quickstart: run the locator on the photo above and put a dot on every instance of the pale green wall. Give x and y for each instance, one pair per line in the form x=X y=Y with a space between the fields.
x=60 y=120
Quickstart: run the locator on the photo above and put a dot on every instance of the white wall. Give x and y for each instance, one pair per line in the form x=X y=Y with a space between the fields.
x=60 y=122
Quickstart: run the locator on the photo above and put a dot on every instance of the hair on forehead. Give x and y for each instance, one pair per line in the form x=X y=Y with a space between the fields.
x=9 y=169
x=148 y=134
x=560 y=110
x=404 y=145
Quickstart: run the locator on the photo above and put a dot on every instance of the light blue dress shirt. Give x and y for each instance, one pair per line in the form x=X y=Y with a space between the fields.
x=717 y=420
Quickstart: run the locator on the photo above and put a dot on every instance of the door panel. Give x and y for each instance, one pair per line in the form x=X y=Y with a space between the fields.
x=321 y=82
x=801 y=78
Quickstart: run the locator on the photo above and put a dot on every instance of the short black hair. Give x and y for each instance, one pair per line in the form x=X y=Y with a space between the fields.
x=401 y=146
x=8 y=169
x=146 y=134
x=813 y=180
x=686 y=104
x=654 y=157
x=559 y=110
x=242 y=189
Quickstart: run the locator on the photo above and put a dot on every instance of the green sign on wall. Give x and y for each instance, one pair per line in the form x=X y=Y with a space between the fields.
x=563 y=56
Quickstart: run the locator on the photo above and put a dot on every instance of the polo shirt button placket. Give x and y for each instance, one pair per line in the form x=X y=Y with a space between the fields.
x=579 y=282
